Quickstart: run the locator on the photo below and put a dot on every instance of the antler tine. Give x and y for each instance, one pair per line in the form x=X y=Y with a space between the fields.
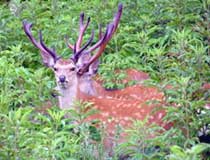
x=27 y=28
x=82 y=30
x=101 y=40
x=88 y=42
x=77 y=54
x=107 y=35
x=109 y=30
x=115 y=23
x=117 y=16
x=75 y=49
x=51 y=52
x=68 y=44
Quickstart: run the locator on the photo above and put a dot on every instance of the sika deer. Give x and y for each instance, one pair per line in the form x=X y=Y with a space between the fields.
x=74 y=78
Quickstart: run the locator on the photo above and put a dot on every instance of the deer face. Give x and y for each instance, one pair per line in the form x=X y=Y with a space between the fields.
x=82 y=65
x=65 y=73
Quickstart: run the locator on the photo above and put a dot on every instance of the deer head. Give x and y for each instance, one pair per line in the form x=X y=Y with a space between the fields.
x=74 y=74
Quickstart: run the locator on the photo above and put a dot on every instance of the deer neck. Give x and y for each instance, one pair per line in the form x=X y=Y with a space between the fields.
x=81 y=86
x=68 y=95
x=86 y=85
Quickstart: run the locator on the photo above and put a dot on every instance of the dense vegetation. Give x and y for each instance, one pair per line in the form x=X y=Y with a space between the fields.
x=169 y=39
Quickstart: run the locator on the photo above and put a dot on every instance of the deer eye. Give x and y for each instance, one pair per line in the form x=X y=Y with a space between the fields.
x=72 y=69
x=55 y=69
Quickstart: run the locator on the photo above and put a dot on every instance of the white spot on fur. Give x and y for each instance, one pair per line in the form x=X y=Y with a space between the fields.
x=127 y=118
x=105 y=114
x=142 y=111
x=109 y=97
x=160 y=115
x=152 y=117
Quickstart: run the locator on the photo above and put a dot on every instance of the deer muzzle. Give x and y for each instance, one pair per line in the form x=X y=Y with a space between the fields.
x=62 y=81
x=62 y=78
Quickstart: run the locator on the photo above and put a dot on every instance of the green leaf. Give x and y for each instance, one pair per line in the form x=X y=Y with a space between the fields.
x=199 y=148
x=178 y=151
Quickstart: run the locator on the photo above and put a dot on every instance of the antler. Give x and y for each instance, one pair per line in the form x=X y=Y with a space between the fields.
x=76 y=48
x=104 y=39
x=82 y=30
x=76 y=54
x=40 y=45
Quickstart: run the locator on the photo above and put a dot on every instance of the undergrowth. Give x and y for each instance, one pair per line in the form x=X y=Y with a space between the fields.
x=167 y=39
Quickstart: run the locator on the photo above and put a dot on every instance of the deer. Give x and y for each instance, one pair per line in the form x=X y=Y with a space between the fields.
x=75 y=80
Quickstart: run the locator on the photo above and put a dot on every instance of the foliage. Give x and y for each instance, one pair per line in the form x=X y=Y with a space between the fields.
x=169 y=39
x=190 y=154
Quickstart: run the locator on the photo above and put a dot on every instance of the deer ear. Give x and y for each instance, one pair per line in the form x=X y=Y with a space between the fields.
x=47 y=59
x=94 y=67
x=83 y=59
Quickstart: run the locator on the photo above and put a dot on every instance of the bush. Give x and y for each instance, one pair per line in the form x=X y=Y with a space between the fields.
x=167 y=39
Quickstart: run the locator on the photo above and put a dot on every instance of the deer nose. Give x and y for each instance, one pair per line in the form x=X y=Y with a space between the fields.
x=62 y=78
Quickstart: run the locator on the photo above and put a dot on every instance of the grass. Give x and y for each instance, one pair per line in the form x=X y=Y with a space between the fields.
x=168 y=39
